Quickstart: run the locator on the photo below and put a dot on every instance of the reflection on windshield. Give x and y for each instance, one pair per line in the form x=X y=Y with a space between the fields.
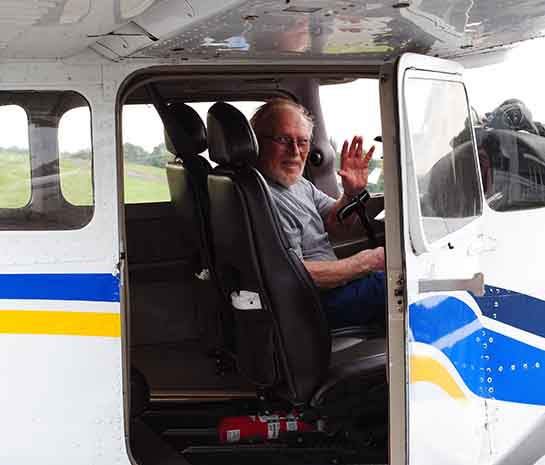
x=511 y=148
x=442 y=151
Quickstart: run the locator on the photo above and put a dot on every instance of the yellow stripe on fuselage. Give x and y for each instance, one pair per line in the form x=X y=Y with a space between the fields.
x=427 y=369
x=60 y=323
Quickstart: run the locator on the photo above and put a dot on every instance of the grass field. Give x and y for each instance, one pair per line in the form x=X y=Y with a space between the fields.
x=142 y=183
x=14 y=180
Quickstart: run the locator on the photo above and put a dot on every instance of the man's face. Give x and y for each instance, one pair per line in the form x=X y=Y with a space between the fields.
x=284 y=146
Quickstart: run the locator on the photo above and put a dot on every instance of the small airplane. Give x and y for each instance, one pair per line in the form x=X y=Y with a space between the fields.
x=150 y=311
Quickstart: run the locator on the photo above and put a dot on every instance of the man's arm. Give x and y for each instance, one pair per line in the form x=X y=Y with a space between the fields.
x=334 y=273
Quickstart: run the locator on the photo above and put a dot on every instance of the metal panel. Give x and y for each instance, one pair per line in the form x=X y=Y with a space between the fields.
x=60 y=309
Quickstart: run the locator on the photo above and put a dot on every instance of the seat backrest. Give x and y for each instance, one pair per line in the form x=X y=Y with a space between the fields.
x=187 y=176
x=187 y=181
x=287 y=340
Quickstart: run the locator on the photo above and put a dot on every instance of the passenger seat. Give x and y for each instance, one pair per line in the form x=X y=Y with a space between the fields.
x=187 y=179
x=283 y=342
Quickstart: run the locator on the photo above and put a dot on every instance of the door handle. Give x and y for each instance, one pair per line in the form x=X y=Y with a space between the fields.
x=474 y=285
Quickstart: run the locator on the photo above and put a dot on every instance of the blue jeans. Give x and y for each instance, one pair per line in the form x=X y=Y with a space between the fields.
x=357 y=303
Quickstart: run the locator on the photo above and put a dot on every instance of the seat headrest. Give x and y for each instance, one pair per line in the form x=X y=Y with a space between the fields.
x=191 y=129
x=231 y=139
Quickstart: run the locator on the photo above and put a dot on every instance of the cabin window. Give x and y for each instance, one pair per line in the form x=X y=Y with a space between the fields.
x=14 y=158
x=145 y=152
x=443 y=155
x=361 y=116
x=46 y=154
x=75 y=157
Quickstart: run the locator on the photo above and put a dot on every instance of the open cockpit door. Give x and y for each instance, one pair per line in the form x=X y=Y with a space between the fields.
x=434 y=205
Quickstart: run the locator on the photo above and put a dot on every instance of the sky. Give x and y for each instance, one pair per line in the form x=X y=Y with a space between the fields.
x=520 y=76
x=348 y=109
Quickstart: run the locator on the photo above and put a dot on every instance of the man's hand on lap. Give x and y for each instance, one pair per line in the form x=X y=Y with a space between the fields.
x=371 y=259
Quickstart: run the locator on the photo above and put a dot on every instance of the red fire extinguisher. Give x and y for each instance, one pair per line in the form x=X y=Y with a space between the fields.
x=259 y=428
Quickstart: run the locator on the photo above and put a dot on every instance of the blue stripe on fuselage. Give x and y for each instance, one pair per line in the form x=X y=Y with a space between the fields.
x=491 y=364
x=515 y=309
x=95 y=287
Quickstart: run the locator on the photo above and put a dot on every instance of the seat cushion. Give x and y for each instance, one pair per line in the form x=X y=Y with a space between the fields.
x=355 y=368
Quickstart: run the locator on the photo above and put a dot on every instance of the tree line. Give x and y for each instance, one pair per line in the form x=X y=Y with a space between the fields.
x=158 y=157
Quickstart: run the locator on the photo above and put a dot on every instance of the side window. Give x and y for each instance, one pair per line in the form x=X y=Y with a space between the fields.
x=76 y=163
x=351 y=109
x=442 y=154
x=145 y=153
x=14 y=158
x=46 y=155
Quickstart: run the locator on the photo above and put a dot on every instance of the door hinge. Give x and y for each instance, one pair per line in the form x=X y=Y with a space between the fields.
x=399 y=293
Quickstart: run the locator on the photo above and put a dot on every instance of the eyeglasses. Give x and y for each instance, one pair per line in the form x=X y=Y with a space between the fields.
x=286 y=142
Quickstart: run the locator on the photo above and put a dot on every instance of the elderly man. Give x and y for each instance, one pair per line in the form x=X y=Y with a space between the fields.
x=352 y=289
